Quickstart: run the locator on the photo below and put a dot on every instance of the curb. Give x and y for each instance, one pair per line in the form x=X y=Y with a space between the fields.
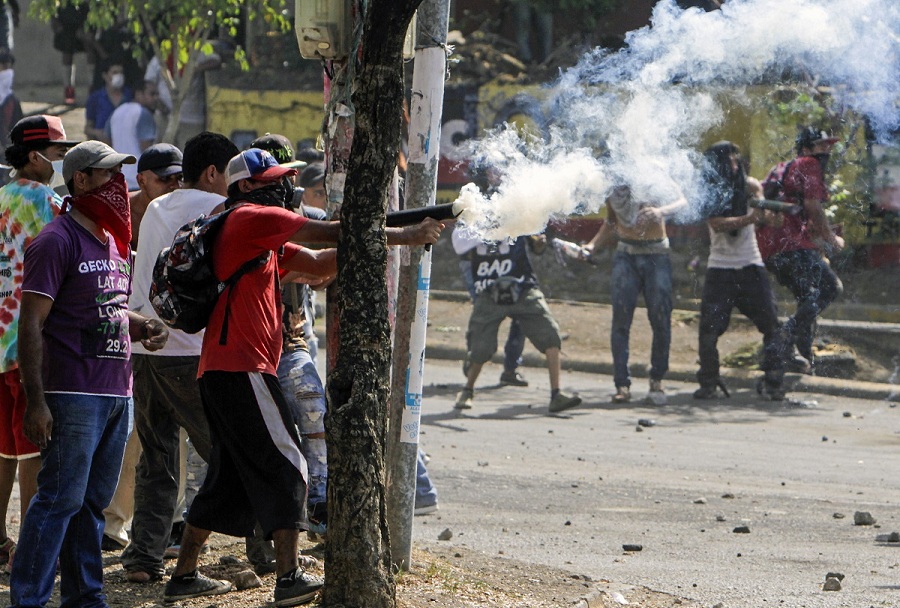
x=734 y=378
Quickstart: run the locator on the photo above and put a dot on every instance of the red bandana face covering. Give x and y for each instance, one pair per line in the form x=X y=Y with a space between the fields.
x=108 y=207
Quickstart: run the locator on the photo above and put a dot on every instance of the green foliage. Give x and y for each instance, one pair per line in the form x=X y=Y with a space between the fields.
x=184 y=25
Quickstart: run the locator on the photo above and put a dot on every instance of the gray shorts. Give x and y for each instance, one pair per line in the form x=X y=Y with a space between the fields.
x=532 y=313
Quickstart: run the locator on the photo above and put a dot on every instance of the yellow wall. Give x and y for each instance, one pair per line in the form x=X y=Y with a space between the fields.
x=295 y=114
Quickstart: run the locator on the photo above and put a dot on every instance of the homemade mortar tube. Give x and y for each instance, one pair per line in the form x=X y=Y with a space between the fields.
x=408 y=217
x=767 y=205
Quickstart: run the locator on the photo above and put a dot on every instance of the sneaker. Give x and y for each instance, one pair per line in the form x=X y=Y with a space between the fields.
x=295 y=588
x=656 y=396
x=512 y=378
x=6 y=550
x=425 y=509
x=562 y=401
x=193 y=585
x=705 y=392
x=464 y=399
x=623 y=394
x=69 y=95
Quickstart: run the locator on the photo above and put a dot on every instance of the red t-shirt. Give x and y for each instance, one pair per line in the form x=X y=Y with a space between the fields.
x=804 y=181
x=254 y=325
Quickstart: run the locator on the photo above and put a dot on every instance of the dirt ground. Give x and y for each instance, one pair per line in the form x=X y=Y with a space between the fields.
x=441 y=576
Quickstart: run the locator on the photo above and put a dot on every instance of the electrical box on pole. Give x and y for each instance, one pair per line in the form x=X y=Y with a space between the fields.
x=324 y=29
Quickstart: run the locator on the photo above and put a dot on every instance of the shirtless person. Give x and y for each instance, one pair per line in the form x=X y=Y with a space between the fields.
x=641 y=265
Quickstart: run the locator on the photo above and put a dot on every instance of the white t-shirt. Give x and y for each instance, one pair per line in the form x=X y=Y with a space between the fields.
x=727 y=251
x=129 y=125
x=161 y=221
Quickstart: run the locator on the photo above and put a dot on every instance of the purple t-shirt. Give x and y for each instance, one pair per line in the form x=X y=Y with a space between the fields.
x=86 y=343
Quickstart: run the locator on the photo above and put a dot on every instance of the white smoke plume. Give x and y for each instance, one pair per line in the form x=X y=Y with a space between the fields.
x=636 y=116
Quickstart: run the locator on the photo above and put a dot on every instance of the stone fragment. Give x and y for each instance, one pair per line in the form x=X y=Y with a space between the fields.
x=447 y=534
x=831 y=584
x=839 y=576
x=863 y=518
x=720 y=518
x=742 y=530
x=646 y=422
x=246 y=579
x=700 y=501
x=632 y=547
x=839 y=516
x=893 y=537
x=229 y=560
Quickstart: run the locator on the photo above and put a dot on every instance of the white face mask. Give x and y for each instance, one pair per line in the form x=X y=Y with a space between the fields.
x=117 y=81
x=57 y=179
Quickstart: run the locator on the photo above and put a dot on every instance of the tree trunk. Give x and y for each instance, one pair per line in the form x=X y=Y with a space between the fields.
x=357 y=555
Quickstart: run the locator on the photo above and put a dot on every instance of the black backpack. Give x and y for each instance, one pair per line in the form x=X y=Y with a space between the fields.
x=184 y=289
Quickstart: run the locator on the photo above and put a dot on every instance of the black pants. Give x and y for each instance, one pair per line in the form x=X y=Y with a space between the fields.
x=749 y=290
x=814 y=285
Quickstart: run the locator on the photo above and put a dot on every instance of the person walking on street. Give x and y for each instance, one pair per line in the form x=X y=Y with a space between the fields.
x=796 y=252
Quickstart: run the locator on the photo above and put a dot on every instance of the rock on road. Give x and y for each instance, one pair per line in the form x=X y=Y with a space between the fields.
x=569 y=490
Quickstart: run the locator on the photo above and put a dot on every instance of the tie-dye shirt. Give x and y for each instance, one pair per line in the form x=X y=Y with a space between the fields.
x=25 y=208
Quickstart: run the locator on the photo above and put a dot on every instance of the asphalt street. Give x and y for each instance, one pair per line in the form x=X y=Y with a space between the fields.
x=569 y=490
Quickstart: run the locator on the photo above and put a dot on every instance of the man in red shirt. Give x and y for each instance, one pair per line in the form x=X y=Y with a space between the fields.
x=795 y=252
x=256 y=470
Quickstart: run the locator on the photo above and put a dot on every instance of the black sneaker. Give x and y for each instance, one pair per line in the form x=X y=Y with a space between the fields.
x=193 y=585
x=512 y=378
x=562 y=401
x=295 y=588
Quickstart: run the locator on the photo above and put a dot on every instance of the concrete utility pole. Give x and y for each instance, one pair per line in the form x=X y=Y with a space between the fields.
x=426 y=107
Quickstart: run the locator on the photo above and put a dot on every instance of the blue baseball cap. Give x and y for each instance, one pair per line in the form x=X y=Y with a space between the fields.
x=255 y=164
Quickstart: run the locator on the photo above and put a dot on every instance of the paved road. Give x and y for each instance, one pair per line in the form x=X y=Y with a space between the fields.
x=569 y=490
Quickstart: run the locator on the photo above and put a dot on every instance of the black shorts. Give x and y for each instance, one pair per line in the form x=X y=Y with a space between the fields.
x=69 y=23
x=256 y=471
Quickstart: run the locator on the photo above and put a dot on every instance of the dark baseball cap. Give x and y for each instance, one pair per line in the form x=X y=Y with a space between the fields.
x=163 y=159
x=36 y=132
x=280 y=147
x=92 y=154
x=807 y=137
x=312 y=175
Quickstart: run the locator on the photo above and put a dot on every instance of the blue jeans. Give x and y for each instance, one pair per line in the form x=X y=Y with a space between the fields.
x=650 y=274
x=305 y=396
x=79 y=472
x=426 y=495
